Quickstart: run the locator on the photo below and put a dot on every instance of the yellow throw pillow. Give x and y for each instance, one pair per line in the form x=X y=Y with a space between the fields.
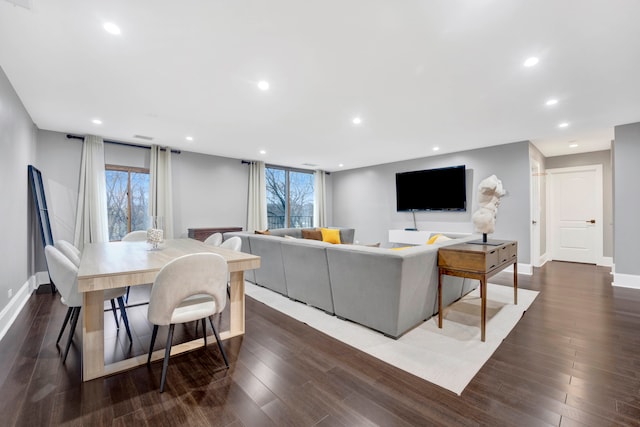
x=330 y=235
x=437 y=239
x=433 y=239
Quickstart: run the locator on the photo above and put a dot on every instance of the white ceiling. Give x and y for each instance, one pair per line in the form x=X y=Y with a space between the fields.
x=420 y=74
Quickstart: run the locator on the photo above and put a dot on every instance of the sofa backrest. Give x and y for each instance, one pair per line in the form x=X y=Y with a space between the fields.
x=307 y=272
x=271 y=271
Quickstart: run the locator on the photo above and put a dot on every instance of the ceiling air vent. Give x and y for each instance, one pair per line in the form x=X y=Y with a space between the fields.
x=22 y=3
x=311 y=165
x=146 y=138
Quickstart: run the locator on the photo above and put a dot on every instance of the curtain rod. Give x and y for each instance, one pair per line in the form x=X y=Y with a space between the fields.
x=126 y=144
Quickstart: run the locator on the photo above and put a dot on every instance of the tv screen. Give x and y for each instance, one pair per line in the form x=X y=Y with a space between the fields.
x=432 y=190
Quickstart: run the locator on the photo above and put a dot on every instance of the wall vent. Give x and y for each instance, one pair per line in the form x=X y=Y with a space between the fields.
x=146 y=138
x=22 y=3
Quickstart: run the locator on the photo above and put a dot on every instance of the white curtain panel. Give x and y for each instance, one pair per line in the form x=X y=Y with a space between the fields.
x=160 y=188
x=257 y=203
x=320 y=200
x=92 y=223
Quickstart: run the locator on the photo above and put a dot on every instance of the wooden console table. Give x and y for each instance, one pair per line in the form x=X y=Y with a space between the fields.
x=202 y=233
x=477 y=261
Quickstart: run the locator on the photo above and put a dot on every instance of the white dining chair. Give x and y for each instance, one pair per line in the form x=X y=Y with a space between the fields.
x=234 y=243
x=188 y=288
x=74 y=254
x=214 y=240
x=64 y=274
x=135 y=236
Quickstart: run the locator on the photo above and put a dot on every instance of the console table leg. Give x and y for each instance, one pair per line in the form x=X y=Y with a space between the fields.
x=483 y=309
x=439 y=300
x=515 y=283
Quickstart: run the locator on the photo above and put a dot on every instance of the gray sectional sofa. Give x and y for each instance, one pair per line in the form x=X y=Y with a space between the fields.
x=390 y=291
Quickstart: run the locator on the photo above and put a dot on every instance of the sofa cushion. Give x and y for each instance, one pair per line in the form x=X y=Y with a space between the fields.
x=312 y=234
x=331 y=235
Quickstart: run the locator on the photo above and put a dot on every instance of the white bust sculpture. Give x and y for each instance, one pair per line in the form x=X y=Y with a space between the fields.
x=490 y=191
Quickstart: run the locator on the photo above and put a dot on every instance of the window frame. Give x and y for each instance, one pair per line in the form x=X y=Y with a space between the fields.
x=287 y=171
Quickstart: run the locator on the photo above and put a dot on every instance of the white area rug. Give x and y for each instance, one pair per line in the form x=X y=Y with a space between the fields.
x=449 y=357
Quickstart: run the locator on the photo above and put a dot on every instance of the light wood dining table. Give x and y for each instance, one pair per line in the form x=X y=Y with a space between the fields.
x=118 y=264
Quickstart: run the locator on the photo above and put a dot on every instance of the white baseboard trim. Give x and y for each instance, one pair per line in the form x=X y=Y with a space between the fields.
x=626 y=280
x=606 y=261
x=522 y=269
x=10 y=312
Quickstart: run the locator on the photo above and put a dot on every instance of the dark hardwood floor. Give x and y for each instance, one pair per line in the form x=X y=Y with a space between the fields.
x=573 y=359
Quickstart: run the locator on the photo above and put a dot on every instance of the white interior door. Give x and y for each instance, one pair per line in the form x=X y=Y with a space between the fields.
x=575 y=212
x=535 y=212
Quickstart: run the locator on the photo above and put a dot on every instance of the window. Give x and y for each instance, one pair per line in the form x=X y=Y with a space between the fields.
x=289 y=197
x=127 y=200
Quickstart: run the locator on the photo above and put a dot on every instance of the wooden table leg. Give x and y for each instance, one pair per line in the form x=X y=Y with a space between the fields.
x=515 y=283
x=483 y=309
x=93 y=335
x=236 y=306
x=439 y=300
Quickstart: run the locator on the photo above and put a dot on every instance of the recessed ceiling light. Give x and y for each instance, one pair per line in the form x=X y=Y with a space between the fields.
x=573 y=145
x=189 y=138
x=530 y=62
x=111 y=28
x=551 y=102
x=263 y=152
x=263 y=85
x=436 y=148
x=341 y=165
x=563 y=125
x=357 y=120
x=96 y=121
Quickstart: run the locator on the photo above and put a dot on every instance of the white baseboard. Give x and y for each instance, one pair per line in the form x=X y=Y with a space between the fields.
x=10 y=312
x=606 y=261
x=522 y=269
x=626 y=280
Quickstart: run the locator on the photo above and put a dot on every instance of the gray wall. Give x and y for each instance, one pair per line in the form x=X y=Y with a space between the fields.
x=365 y=198
x=18 y=145
x=626 y=155
x=207 y=190
x=595 y=158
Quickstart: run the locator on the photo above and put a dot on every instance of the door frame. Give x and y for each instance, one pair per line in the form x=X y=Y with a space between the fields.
x=551 y=217
x=536 y=174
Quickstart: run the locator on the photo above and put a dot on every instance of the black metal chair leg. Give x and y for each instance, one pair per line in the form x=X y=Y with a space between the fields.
x=204 y=330
x=224 y=355
x=115 y=313
x=64 y=324
x=167 y=353
x=74 y=321
x=126 y=297
x=125 y=319
x=153 y=341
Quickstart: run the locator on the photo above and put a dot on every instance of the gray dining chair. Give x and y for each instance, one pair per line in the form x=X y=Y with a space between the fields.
x=187 y=289
x=64 y=274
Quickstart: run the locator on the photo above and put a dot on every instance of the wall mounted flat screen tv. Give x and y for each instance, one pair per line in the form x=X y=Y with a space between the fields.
x=432 y=190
